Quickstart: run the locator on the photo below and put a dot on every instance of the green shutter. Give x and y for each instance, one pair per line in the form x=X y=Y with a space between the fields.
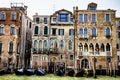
x=11 y=47
x=45 y=30
x=0 y=46
x=36 y=30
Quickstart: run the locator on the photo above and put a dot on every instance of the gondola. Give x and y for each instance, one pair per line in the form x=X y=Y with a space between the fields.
x=40 y=72
x=71 y=72
x=19 y=71
x=29 y=71
x=60 y=72
x=80 y=73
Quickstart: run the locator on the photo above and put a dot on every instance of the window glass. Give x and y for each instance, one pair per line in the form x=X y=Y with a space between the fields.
x=70 y=45
x=45 y=20
x=1 y=30
x=107 y=31
x=93 y=31
x=71 y=32
x=63 y=17
x=93 y=17
x=85 y=18
x=81 y=31
x=61 y=32
x=61 y=44
x=46 y=30
x=37 y=20
x=107 y=17
x=12 y=30
x=13 y=15
x=36 y=30
x=0 y=46
x=80 y=17
x=11 y=47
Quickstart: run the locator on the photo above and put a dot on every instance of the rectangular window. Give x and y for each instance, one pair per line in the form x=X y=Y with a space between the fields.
x=37 y=20
x=71 y=57
x=118 y=34
x=12 y=30
x=53 y=32
x=85 y=18
x=45 y=20
x=71 y=32
x=118 y=23
x=35 y=58
x=54 y=19
x=71 y=19
x=80 y=17
x=44 y=58
x=93 y=17
x=92 y=8
x=107 y=17
x=1 y=30
x=13 y=15
x=61 y=32
x=63 y=17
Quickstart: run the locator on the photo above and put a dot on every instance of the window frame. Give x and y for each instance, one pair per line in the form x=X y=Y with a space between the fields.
x=63 y=17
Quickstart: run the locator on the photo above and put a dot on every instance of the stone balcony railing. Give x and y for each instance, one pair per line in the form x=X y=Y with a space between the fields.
x=107 y=53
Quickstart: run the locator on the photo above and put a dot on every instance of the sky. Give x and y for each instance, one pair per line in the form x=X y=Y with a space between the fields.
x=48 y=7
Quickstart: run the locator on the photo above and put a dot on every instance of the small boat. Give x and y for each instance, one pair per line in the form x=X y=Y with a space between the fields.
x=19 y=71
x=29 y=71
x=40 y=72
x=60 y=72
x=80 y=73
x=71 y=72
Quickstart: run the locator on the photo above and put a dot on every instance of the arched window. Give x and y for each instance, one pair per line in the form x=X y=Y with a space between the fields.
x=36 y=30
x=102 y=47
x=51 y=43
x=91 y=47
x=40 y=45
x=45 y=30
x=86 y=47
x=93 y=31
x=45 y=44
x=108 y=47
x=0 y=46
x=107 y=32
x=85 y=31
x=96 y=47
x=70 y=45
x=35 y=45
x=2 y=15
x=81 y=31
x=61 y=44
x=81 y=47
x=13 y=15
x=11 y=46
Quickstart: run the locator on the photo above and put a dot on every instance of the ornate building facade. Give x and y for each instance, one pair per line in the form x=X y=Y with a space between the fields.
x=13 y=35
x=82 y=39
x=95 y=38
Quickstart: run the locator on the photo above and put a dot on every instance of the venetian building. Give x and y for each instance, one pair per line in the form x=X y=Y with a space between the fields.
x=118 y=39
x=95 y=38
x=12 y=38
x=40 y=41
x=61 y=40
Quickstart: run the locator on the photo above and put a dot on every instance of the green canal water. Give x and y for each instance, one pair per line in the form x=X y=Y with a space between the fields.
x=54 y=77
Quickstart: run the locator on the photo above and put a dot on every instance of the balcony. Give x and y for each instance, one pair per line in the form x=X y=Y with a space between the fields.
x=81 y=53
x=108 y=53
x=81 y=36
x=86 y=36
x=53 y=36
x=53 y=51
